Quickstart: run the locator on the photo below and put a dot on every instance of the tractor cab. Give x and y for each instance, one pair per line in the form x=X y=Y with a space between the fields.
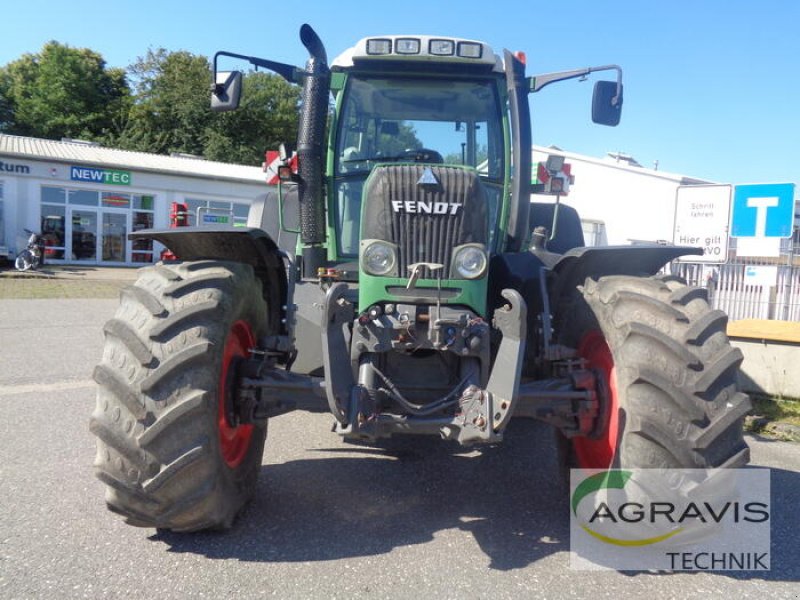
x=416 y=166
x=391 y=121
x=402 y=100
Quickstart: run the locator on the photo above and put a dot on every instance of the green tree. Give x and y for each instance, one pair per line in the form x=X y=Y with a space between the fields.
x=67 y=92
x=171 y=111
x=61 y=92
x=6 y=111
x=268 y=116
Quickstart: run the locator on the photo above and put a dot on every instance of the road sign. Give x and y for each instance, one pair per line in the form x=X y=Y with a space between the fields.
x=761 y=275
x=763 y=210
x=702 y=213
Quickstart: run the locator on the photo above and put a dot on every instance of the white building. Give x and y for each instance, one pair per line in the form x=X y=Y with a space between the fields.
x=85 y=199
x=619 y=201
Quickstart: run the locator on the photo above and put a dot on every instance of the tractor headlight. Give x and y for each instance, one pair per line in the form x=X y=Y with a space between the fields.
x=379 y=257
x=469 y=262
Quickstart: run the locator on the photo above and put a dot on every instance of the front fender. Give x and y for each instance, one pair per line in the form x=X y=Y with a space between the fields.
x=575 y=266
x=246 y=245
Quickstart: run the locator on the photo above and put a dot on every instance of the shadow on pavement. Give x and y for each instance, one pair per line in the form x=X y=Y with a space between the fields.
x=508 y=497
x=336 y=507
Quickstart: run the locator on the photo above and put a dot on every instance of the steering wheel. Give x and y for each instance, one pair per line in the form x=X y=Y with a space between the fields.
x=423 y=155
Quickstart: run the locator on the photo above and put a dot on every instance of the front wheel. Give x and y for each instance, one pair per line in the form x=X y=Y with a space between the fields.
x=670 y=374
x=25 y=261
x=168 y=450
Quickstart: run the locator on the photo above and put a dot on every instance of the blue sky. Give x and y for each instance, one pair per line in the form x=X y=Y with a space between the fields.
x=712 y=88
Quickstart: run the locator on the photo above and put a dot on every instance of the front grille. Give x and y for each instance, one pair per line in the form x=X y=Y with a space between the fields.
x=441 y=216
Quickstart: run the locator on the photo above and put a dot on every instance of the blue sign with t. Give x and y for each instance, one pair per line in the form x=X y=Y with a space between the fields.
x=763 y=210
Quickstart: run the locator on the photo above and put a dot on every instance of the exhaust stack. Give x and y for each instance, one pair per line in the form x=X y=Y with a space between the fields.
x=310 y=143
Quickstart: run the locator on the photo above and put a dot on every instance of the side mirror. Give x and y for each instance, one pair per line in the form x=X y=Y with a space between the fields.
x=607 y=103
x=226 y=91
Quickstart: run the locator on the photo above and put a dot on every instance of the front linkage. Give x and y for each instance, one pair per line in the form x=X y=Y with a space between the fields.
x=468 y=413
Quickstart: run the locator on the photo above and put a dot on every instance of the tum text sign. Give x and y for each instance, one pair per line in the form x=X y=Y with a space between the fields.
x=702 y=213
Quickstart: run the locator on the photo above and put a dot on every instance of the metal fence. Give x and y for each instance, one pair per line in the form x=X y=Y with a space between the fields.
x=751 y=288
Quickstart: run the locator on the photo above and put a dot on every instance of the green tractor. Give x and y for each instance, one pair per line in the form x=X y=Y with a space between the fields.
x=402 y=280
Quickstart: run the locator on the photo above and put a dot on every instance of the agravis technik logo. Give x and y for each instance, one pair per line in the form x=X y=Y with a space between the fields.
x=663 y=519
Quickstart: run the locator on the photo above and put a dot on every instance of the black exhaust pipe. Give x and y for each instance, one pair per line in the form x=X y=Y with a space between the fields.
x=310 y=144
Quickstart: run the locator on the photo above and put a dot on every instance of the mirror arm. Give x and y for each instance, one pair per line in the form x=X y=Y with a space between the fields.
x=288 y=72
x=539 y=81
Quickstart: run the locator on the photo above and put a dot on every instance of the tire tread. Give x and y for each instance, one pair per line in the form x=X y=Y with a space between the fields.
x=156 y=419
x=688 y=413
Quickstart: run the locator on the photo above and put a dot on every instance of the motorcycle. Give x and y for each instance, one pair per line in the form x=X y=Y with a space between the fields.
x=31 y=258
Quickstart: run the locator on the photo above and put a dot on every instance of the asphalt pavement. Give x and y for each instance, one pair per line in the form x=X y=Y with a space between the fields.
x=328 y=520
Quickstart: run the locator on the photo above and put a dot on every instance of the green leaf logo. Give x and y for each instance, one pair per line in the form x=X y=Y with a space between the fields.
x=599 y=481
x=615 y=479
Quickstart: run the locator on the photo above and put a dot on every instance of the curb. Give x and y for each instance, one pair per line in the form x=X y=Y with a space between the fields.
x=98 y=274
x=26 y=275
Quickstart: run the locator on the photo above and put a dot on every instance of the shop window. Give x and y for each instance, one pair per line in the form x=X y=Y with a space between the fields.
x=191 y=207
x=82 y=197
x=85 y=224
x=216 y=205
x=142 y=250
x=53 y=221
x=114 y=200
x=594 y=232
x=2 y=218
x=143 y=202
x=53 y=233
x=240 y=214
x=53 y=195
x=216 y=212
x=53 y=226
x=115 y=233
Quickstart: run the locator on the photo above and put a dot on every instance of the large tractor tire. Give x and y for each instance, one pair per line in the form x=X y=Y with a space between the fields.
x=167 y=451
x=669 y=370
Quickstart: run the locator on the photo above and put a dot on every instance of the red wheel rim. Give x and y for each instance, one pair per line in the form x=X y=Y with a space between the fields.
x=233 y=441
x=598 y=453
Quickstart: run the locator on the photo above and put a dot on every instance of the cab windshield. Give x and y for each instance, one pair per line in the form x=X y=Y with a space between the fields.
x=454 y=122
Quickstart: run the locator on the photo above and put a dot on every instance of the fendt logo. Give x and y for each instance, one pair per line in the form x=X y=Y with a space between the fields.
x=425 y=208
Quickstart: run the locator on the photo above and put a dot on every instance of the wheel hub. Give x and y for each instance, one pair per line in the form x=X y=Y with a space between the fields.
x=597 y=450
x=234 y=438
